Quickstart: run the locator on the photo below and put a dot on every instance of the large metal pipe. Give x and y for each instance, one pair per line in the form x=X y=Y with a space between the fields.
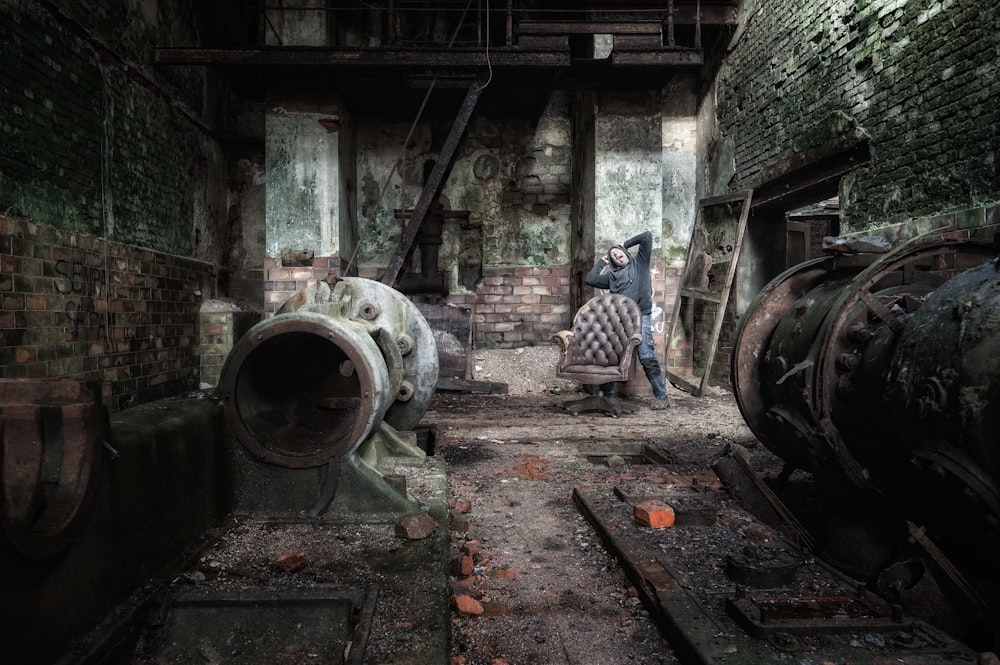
x=317 y=379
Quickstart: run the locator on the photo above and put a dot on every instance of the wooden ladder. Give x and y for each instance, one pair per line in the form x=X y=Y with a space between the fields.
x=715 y=245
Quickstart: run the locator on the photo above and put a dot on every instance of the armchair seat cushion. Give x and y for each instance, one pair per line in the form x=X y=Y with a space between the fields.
x=591 y=369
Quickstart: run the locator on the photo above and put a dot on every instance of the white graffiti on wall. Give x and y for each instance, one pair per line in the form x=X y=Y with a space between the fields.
x=656 y=314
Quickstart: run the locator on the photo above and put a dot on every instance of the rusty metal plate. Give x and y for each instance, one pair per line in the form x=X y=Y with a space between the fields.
x=764 y=616
x=50 y=432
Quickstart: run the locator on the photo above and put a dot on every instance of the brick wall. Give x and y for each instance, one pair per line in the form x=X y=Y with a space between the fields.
x=218 y=332
x=75 y=306
x=919 y=79
x=513 y=305
x=94 y=140
x=519 y=306
x=282 y=282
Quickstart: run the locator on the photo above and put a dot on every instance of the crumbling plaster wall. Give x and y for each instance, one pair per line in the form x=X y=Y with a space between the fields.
x=680 y=166
x=543 y=214
x=917 y=78
x=296 y=23
x=628 y=187
x=304 y=180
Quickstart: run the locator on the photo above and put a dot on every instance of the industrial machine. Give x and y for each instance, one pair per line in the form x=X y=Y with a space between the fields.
x=333 y=383
x=879 y=375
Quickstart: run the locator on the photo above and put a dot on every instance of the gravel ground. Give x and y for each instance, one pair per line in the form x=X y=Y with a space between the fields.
x=522 y=575
x=549 y=590
x=547 y=587
x=526 y=370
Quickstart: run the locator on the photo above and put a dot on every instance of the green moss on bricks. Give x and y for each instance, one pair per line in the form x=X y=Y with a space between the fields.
x=836 y=124
x=908 y=78
x=675 y=253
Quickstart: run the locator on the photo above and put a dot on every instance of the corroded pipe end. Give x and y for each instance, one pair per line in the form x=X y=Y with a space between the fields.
x=303 y=387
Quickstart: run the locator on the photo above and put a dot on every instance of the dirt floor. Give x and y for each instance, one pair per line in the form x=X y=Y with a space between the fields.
x=550 y=591
x=545 y=559
x=547 y=586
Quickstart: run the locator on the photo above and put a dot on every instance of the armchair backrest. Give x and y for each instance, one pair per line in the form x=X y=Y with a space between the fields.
x=602 y=345
x=602 y=329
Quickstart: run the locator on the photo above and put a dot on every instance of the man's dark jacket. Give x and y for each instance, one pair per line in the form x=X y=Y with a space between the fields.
x=631 y=280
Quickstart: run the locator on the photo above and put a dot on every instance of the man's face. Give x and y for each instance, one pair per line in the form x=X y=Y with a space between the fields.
x=621 y=258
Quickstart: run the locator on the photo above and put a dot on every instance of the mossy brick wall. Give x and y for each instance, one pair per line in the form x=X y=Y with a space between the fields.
x=76 y=306
x=919 y=79
x=91 y=138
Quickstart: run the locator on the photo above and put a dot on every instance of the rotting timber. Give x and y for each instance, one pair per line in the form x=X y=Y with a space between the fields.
x=879 y=375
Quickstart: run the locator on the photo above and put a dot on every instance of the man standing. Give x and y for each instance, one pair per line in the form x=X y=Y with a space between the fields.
x=619 y=272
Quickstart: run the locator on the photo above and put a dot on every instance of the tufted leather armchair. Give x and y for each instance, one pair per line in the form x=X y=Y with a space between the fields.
x=602 y=345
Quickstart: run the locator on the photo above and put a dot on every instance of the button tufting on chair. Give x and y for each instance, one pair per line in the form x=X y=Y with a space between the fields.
x=601 y=346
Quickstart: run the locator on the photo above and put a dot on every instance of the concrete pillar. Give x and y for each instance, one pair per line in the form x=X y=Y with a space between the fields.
x=303 y=181
x=628 y=167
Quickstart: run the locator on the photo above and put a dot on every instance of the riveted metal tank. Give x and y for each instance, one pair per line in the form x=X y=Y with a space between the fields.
x=880 y=375
x=344 y=363
x=813 y=353
x=944 y=389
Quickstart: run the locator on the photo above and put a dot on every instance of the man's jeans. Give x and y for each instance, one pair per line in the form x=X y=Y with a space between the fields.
x=647 y=357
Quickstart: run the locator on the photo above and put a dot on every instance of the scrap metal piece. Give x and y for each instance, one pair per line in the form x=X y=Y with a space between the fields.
x=765 y=616
x=51 y=433
x=761 y=568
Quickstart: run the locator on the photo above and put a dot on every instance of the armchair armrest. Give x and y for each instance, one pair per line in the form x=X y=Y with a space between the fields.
x=564 y=339
x=628 y=361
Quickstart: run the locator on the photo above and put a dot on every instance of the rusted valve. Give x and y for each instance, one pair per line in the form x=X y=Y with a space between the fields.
x=314 y=381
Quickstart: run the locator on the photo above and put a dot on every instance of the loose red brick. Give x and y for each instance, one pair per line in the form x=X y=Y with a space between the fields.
x=292 y=561
x=462 y=566
x=655 y=514
x=467 y=606
x=415 y=526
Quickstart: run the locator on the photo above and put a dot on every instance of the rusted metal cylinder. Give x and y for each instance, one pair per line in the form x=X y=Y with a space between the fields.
x=813 y=352
x=314 y=381
x=944 y=383
x=881 y=377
